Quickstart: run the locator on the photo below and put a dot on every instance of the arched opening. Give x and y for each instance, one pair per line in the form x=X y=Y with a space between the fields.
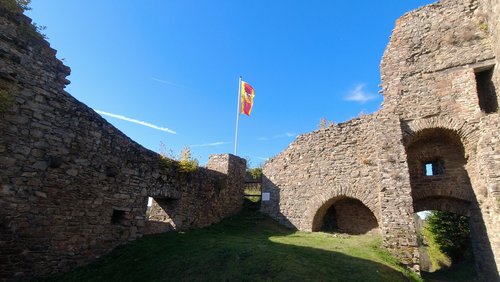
x=439 y=181
x=345 y=215
x=436 y=162
x=445 y=246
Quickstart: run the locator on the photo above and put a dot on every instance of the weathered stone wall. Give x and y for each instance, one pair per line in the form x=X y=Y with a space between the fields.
x=72 y=186
x=443 y=38
x=429 y=78
x=489 y=143
x=206 y=196
x=432 y=110
x=337 y=161
x=361 y=159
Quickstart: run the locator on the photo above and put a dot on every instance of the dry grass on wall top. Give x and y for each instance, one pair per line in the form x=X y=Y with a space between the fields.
x=183 y=163
x=16 y=6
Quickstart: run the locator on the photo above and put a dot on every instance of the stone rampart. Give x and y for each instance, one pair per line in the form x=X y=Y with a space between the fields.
x=72 y=186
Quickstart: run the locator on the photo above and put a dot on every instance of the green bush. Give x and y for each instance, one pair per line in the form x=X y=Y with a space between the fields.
x=448 y=238
x=184 y=162
x=256 y=173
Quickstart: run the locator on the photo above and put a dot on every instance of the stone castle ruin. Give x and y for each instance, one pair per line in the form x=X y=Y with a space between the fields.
x=441 y=82
x=72 y=187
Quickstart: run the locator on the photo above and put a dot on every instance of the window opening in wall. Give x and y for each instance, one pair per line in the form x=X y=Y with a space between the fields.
x=486 y=90
x=428 y=169
x=148 y=208
x=118 y=217
x=433 y=167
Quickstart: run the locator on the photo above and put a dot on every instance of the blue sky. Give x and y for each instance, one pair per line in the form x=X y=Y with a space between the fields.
x=167 y=71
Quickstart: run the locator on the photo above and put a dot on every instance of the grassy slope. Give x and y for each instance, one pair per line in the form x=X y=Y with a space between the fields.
x=247 y=247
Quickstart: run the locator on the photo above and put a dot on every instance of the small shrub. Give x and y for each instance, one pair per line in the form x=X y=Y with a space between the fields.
x=167 y=157
x=34 y=31
x=39 y=30
x=324 y=123
x=186 y=162
x=256 y=173
x=183 y=163
x=16 y=6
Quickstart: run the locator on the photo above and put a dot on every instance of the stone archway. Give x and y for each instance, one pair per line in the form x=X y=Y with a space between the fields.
x=445 y=204
x=439 y=179
x=344 y=198
x=436 y=163
x=345 y=215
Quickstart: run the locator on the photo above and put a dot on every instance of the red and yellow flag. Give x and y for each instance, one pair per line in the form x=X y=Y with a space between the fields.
x=247 y=94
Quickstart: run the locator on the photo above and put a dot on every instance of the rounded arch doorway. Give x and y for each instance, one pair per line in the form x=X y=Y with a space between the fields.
x=345 y=215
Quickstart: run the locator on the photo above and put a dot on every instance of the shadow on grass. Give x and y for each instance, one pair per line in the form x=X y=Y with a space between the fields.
x=237 y=249
x=463 y=271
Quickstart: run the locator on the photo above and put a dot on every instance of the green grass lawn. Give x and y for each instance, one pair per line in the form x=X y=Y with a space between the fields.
x=247 y=247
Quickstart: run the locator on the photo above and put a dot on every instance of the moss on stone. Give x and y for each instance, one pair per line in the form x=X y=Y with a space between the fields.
x=6 y=99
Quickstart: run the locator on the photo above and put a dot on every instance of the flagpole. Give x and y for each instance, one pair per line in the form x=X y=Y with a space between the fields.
x=237 y=117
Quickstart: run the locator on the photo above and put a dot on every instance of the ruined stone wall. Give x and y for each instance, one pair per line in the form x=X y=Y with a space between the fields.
x=340 y=160
x=490 y=9
x=433 y=76
x=72 y=186
x=489 y=144
x=362 y=159
x=430 y=79
x=206 y=196
x=428 y=65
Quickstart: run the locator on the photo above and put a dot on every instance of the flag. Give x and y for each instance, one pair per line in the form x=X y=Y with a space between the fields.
x=247 y=94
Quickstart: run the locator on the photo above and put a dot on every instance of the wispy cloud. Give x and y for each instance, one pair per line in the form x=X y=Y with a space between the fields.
x=166 y=82
x=358 y=94
x=136 y=121
x=219 y=143
x=262 y=158
x=278 y=136
x=287 y=134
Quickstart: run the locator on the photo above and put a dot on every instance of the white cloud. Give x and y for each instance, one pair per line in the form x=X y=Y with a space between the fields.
x=358 y=94
x=278 y=136
x=136 y=121
x=219 y=143
x=286 y=134
x=166 y=82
